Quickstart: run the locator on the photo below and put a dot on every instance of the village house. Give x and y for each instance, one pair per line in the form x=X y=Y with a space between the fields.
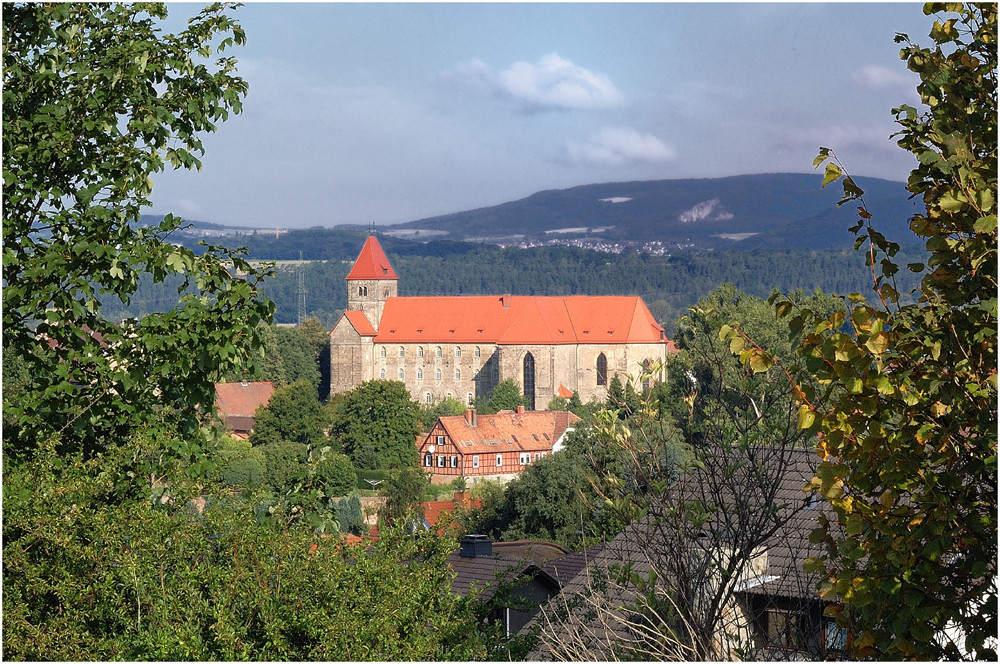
x=236 y=404
x=494 y=447
x=461 y=347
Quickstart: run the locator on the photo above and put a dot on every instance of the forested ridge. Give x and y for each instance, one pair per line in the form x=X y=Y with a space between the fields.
x=668 y=284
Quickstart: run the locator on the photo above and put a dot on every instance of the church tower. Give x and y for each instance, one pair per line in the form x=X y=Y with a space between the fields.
x=371 y=282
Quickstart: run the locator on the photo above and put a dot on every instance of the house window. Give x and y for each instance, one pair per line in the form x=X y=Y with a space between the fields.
x=427 y=397
x=499 y=459
x=836 y=637
x=458 y=351
x=440 y=461
x=437 y=374
x=437 y=352
x=475 y=353
x=602 y=369
x=381 y=351
x=458 y=374
x=524 y=458
x=420 y=351
x=440 y=440
x=538 y=455
x=420 y=373
x=402 y=352
x=785 y=629
x=402 y=374
x=475 y=461
x=453 y=459
x=381 y=373
x=427 y=459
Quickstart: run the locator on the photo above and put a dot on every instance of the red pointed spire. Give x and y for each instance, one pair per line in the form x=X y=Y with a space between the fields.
x=371 y=263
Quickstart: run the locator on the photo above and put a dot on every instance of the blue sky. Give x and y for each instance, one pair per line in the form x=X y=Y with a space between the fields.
x=385 y=113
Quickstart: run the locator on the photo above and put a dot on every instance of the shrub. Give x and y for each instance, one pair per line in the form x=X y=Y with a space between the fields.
x=286 y=462
x=337 y=474
x=242 y=472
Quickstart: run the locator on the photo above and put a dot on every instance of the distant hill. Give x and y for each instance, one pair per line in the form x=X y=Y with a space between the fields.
x=741 y=212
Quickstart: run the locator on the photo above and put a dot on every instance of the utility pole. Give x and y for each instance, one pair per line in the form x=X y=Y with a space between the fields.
x=302 y=291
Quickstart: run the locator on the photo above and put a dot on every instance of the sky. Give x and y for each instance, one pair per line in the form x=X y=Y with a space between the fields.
x=391 y=112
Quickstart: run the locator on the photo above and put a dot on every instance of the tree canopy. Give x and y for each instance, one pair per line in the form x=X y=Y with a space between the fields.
x=97 y=99
x=377 y=424
x=906 y=396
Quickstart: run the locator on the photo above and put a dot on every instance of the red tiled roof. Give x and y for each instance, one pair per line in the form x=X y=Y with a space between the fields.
x=564 y=392
x=371 y=263
x=360 y=323
x=241 y=399
x=529 y=431
x=514 y=319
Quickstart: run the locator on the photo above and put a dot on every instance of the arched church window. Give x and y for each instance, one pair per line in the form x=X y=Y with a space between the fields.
x=381 y=373
x=402 y=374
x=437 y=352
x=420 y=373
x=402 y=352
x=476 y=353
x=458 y=374
x=529 y=381
x=458 y=351
x=381 y=351
x=385 y=293
x=437 y=374
x=602 y=369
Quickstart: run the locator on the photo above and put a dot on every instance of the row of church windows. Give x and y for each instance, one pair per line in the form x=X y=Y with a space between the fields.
x=602 y=365
x=438 y=352
x=420 y=374
x=470 y=398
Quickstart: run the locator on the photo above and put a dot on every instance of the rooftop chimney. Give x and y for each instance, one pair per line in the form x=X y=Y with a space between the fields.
x=520 y=410
x=475 y=546
x=470 y=417
x=505 y=301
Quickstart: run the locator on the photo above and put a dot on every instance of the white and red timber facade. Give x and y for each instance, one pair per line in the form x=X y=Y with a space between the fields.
x=497 y=446
x=462 y=346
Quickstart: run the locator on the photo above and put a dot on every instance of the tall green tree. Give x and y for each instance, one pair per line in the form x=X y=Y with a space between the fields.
x=96 y=100
x=506 y=396
x=293 y=414
x=377 y=424
x=907 y=396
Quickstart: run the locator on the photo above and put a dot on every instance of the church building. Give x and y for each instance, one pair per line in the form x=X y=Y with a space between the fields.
x=462 y=346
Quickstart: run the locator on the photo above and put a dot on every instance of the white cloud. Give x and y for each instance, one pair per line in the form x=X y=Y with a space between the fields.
x=552 y=83
x=882 y=78
x=617 y=146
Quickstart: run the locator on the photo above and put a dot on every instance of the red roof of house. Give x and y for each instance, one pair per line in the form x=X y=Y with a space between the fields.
x=518 y=319
x=241 y=399
x=371 y=263
x=508 y=431
x=564 y=392
x=360 y=323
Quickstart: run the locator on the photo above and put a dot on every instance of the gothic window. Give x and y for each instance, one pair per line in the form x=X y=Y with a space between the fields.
x=402 y=352
x=458 y=351
x=420 y=351
x=381 y=351
x=602 y=369
x=458 y=374
x=420 y=373
x=427 y=397
x=476 y=353
x=385 y=293
x=402 y=374
x=437 y=352
x=381 y=373
x=437 y=374
x=470 y=399
x=529 y=381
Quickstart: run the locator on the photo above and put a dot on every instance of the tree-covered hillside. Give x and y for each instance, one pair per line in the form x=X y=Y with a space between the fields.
x=667 y=284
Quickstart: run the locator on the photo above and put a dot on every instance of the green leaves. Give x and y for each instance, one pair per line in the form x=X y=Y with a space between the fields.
x=911 y=401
